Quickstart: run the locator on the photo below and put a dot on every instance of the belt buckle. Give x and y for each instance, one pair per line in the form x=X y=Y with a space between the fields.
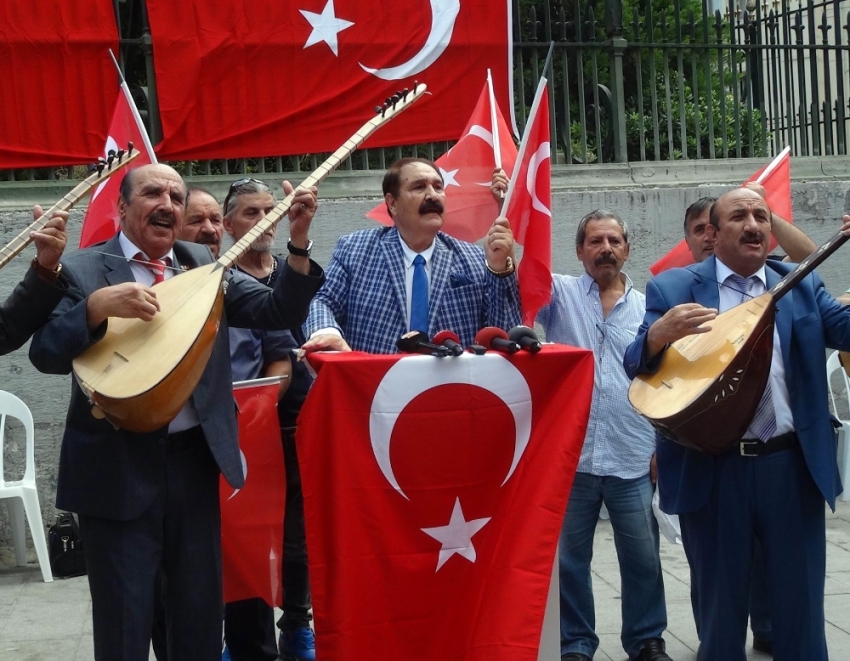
x=743 y=450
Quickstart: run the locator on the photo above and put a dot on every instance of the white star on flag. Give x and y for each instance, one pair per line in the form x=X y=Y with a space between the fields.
x=456 y=537
x=326 y=26
x=449 y=177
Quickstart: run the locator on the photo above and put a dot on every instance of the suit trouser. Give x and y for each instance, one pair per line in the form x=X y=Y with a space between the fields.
x=177 y=541
x=774 y=499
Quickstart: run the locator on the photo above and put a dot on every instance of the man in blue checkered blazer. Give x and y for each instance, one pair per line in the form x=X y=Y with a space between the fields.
x=367 y=299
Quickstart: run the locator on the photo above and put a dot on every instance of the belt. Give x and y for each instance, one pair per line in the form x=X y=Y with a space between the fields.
x=753 y=447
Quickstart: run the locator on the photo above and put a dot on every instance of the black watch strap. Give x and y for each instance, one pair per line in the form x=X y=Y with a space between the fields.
x=300 y=252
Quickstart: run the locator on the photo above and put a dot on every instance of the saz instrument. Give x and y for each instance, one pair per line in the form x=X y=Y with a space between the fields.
x=141 y=374
x=707 y=389
x=105 y=168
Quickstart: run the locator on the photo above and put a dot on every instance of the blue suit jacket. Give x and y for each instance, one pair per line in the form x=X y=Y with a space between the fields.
x=808 y=320
x=116 y=474
x=364 y=294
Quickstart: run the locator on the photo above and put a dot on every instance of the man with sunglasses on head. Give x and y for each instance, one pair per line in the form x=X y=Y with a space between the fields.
x=249 y=624
x=148 y=503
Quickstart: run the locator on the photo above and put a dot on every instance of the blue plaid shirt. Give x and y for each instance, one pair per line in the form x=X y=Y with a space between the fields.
x=618 y=441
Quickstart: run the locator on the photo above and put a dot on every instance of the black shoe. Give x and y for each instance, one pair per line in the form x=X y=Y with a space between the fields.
x=762 y=645
x=575 y=656
x=653 y=650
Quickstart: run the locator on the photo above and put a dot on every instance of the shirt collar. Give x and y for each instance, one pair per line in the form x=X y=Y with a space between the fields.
x=723 y=272
x=410 y=255
x=130 y=249
x=588 y=283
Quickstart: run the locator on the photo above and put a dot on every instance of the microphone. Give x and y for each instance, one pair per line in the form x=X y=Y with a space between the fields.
x=496 y=339
x=417 y=342
x=449 y=340
x=526 y=338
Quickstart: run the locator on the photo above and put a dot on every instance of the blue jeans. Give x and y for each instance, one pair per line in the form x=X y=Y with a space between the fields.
x=644 y=610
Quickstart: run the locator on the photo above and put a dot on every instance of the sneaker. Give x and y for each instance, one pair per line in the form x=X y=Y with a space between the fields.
x=297 y=645
x=225 y=654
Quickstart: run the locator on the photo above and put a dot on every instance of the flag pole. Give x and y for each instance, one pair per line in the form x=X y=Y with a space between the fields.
x=773 y=165
x=494 y=123
x=523 y=145
x=133 y=109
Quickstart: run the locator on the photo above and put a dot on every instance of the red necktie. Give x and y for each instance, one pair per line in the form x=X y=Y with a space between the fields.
x=155 y=266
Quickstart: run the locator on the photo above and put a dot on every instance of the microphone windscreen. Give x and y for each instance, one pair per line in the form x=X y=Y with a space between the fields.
x=485 y=336
x=410 y=342
x=444 y=335
x=526 y=338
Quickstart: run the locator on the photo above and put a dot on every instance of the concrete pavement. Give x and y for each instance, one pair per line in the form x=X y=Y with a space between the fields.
x=45 y=621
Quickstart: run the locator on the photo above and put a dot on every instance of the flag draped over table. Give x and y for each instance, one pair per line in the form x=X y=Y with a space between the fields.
x=252 y=517
x=434 y=497
x=467 y=170
x=101 y=220
x=301 y=77
x=528 y=205
x=56 y=83
x=775 y=177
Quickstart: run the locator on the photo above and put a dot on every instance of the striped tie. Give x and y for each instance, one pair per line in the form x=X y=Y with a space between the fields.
x=155 y=266
x=763 y=424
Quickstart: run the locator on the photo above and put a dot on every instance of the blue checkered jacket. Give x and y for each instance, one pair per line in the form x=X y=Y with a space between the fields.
x=364 y=294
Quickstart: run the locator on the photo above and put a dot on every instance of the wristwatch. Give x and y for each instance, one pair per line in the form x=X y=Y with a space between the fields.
x=300 y=252
x=509 y=268
x=45 y=273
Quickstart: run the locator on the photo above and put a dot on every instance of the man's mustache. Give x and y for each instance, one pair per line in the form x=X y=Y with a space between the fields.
x=607 y=258
x=158 y=216
x=208 y=238
x=752 y=237
x=431 y=206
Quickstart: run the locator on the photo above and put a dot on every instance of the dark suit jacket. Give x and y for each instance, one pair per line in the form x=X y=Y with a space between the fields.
x=27 y=308
x=808 y=320
x=116 y=474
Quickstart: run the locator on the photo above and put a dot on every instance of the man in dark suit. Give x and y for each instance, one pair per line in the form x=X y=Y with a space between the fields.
x=772 y=483
x=148 y=502
x=369 y=299
x=43 y=286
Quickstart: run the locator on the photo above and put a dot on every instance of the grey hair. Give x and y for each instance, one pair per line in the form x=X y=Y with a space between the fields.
x=246 y=187
x=599 y=214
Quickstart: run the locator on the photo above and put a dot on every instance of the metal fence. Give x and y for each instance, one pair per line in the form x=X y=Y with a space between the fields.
x=631 y=80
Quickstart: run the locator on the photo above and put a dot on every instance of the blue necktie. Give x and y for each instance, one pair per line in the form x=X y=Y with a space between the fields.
x=764 y=420
x=419 y=296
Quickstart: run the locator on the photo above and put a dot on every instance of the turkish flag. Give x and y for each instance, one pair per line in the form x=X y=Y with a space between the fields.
x=252 y=517
x=467 y=170
x=775 y=177
x=57 y=80
x=528 y=205
x=101 y=220
x=302 y=76
x=434 y=497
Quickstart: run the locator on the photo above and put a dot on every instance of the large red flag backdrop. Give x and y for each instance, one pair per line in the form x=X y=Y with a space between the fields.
x=264 y=77
x=777 y=194
x=434 y=496
x=467 y=169
x=102 y=220
x=252 y=517
x=58 y=81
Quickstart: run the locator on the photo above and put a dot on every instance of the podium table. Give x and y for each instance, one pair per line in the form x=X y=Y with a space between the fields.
x=434 y=492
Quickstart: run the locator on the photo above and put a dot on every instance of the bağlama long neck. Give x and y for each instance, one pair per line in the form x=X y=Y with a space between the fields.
x=390 y=109
x=807 y=266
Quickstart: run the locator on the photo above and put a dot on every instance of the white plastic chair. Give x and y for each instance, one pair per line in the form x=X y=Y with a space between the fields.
x=23 y=494
x=834 y=365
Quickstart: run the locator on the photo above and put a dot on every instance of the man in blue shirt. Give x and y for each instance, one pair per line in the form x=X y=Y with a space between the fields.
x=601 y=311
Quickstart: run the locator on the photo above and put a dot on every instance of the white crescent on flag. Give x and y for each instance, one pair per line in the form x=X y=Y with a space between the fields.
x=543 y=152
x=414 y=375
x=443 y=16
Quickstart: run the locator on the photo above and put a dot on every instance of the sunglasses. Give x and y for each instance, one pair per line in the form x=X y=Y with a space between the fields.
x=234 y=188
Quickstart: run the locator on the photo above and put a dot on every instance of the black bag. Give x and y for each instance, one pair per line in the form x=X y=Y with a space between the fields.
x=65 y=547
